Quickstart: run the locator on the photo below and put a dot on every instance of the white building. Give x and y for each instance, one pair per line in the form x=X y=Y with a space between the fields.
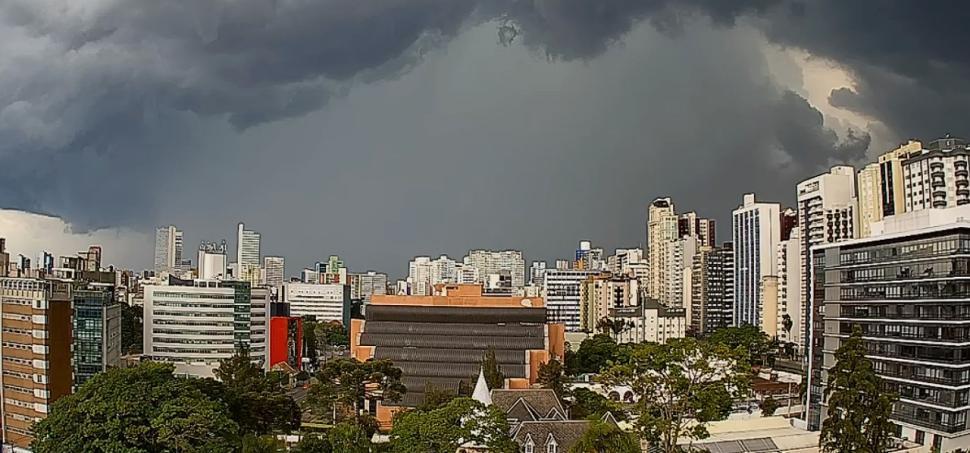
x=651 y=322
x=274 y=268
x=508 y=262
x=330 y=302
x=168 y=249
x=247 y=254
x=537 y=272
x=937 y=176
x=443 y=270
x=195 y=325
x=662 y=231
x=790 y=290
x=212 y=261
x=372 y=283
x=419 y=276
x=561 y=289
x=756 y=232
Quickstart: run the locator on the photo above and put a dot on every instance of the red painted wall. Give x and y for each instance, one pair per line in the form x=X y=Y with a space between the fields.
x=286 y=341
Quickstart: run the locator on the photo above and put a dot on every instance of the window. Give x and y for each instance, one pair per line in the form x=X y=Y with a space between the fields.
x=529 y=446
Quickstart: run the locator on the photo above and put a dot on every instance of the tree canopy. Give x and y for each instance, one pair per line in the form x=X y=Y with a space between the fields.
x=347 y=382
x=258 y=404
x=681 y=386
x=750 y=339
x=604 y=437
x=859 y=406
x=552 y=376
x=493 y=374
x=444 y=429
x=593 y=355
x=144 y=408
x=589 y=404
x=132 y=329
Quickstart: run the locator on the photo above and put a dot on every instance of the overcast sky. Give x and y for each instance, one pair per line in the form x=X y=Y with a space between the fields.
x=383 y=130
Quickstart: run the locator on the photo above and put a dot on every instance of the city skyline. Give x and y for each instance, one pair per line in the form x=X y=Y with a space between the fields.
x=393 y=141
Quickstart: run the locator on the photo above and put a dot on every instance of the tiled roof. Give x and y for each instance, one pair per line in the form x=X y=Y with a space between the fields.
x=566 y=433
x=541 y=401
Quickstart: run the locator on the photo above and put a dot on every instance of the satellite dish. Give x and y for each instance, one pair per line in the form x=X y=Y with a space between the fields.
x=526 y=302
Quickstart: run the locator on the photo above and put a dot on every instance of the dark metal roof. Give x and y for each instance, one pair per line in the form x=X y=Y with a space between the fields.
x=449 y=342
x=455 y=370
x=428 y=314
x=466 y=329
x=504 y=356
x=566 y=433
x=542 y=401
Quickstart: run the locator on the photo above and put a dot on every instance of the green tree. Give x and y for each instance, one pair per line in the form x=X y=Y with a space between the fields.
x=132 y=329
x=312 y=443
x=444 y=429
x=259 y=405
x=262 y=444
x=769 y=406
x=310 y=344
x=681 y=386
x=593 y=355
x=347 y=437
x=144 y=408
x=747 y=338
x=552 y=376
x=605 y=437
x=589 y=404
x=859 y=405
x=435 y=397
x=493 y=374
x=332 y=334
x=345 y=382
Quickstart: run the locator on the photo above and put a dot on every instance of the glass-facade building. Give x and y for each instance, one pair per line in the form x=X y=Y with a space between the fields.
x=910 y=295
x=97 y=332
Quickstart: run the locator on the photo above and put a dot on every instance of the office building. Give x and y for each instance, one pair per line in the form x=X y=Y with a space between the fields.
x=35 y=356
x=333 y=271
x=247 y=255
x=441 y=340
x=274 y=268
x=505 y=262
x=936 y=177
x=325 y=303
x=712 y=294
x=371 y=284
x=97 y=330
x=906 y=289
x=561 y=290
x=168 y=249
x=213 y=264
x=662 y=231
x=193 y=324
x=755 y=234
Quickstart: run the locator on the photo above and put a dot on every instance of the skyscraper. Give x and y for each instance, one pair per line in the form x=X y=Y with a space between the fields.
x=419 y=276
x=689 y=224
x=662 y=231
x=937 y=177
x=168 y=249
x=97 y=331
x=756 y=233
x=870 y=198
x=712 y=295
x=247 y=254
x=892 y=184
x=275 y=269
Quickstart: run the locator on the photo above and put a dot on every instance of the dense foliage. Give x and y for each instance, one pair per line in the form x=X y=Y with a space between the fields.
x=255 y=399
x=131 y=329
x=589 y=404
x=443 y=430
x=593 y=355
x=604 y=437
x=342 y=385
x=552 y=376
x=859 y=405
x=493 y=374
x=681 y=386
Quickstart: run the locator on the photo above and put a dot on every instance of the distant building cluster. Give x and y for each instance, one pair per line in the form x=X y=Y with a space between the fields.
x=885 y=249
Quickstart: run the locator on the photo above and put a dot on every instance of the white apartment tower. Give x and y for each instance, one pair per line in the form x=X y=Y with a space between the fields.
x=756 y=232
x=419 y=276
x=937 y=176
x=662 y=231
x=168 y=249
x=247 y=254
x=490 y=262
x=275 y=269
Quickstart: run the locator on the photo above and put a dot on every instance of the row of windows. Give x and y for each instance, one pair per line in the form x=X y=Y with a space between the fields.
x=18 y=389
x=189 y=314
x=21 y=346
x=950 y=268
x=920 y=332
x=178 y=295
x=917 y=290
x=194 y=305
x=918 y=352
x=16 y=331
x=907 y=311
x=193 y=332
x=914 y=249
x=18 y=361
x=194 y=350
x=191 y=341
x=17 y=374
x=922 y=373
x=189 y=322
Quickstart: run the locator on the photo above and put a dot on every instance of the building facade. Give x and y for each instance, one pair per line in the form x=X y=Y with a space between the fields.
x=326 y=303
x=937 y=176
x=35 y=354
x=213 y=263
x=168 y=249
x=274 y=270
x=195 y=324
x=498 y=262
x=756 y=233
x=712 y=295
x=907 y=290
x=247 y=255
x=372 y=284
x=561 y=290
x=870 y=198
x=97 y=331
x=662 y=231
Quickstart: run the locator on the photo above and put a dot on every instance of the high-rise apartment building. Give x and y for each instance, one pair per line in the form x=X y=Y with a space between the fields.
x=870 y=198
x=662 y=232
x=756 y=232
x=326 y=303
x=892 y=184
x=537 y=272
x=689 y=224
x=712 y=294
x=97 y=331
x=502 y=262
x=35 y=354
x=168 y=249
x=907 y=290
x=247 y=254
x=562 y=290
x=937 y=176
x=791 y=295
x=333 y=271
x=195 y=324
x=589 y=257
x=601 y=293
x=443 y=270
x=372 y=284
x=419 y=276
x=274 y=269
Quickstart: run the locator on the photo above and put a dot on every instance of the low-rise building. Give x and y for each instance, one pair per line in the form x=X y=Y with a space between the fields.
x=324 y=302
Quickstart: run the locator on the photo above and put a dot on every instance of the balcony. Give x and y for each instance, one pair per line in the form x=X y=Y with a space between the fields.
x=939 y=203
x=961 y=172
x=929 y=421
x=963 y=191
x=938 y=183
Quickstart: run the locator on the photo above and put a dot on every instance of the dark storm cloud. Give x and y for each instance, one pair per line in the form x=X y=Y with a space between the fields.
x=131 y=99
